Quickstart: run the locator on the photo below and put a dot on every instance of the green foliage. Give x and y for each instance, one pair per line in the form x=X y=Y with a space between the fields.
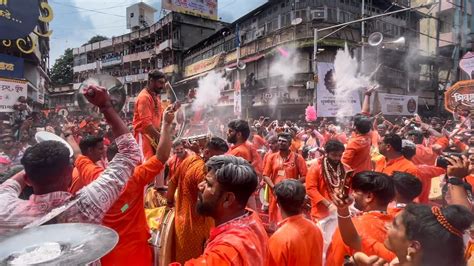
x=61 y=72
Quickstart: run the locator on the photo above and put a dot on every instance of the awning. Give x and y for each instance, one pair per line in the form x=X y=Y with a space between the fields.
x=246 y=60
x=191 y=78
x=61 y=93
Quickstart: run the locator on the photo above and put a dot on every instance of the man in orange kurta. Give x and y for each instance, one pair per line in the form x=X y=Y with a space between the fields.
x=357 y=153
x=239 y=237
x=424 y=153
x=318 y=190
x=179 y=155
x=191 y=230
x=372 y=192
x=127 y=216
x=148 y=112
x=282 y=165
x=297 y=241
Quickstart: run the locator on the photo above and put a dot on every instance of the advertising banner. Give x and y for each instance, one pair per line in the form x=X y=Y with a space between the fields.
x=10 y=91
x=467 y=63
x=393 y=104
x=11 y=66
x=200 y=8
x=328 y=105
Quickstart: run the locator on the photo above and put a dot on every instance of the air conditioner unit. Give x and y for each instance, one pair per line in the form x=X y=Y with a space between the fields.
x=260 y=32
x=318 y=14
x=310 y=85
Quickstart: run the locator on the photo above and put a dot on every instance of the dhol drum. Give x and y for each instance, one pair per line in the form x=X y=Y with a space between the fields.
x=161 y=222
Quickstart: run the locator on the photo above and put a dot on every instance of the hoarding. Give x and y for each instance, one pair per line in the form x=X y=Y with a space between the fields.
x=200 y=8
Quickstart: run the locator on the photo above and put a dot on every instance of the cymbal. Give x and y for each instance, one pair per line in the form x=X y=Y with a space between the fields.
x=57 y=244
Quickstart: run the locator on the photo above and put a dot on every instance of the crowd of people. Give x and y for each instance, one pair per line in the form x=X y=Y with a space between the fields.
x=364 y=190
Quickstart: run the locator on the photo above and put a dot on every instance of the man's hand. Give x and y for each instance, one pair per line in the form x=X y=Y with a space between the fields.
x=168 y=115
x=362 y=259
x=370 y=90
x=97 y=96
x=341 y=202
x=459 y=167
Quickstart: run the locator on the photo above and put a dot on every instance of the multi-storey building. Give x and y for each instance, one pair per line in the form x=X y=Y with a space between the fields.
x=158 y=45
x=25 y=60
x=275 y=24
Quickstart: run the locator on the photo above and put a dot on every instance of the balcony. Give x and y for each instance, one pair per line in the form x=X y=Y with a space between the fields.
x=446 y=39
x=449 y=6
x=164 y=45
x=137 y=56
x=112 y=61
x=86 y=67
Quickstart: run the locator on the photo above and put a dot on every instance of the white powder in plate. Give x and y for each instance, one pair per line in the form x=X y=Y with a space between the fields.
x=43 y=253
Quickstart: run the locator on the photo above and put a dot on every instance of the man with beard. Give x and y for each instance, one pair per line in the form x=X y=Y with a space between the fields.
x=282 y=165
x=297 y=241
x=371 y=194
x=237 y=134
x=322 y=175
x=239 y=237
x=179 y=154
x=148 y=113
x=391 y=148
x=191 y=229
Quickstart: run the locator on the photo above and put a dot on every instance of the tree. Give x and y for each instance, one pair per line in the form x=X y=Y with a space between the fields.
x=96 y=38
x=61 y=72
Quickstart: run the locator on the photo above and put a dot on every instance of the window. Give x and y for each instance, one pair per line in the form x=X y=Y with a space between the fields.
x=131 y=15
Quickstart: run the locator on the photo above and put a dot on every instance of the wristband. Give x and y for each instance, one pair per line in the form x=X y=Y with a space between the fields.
x=344 y=217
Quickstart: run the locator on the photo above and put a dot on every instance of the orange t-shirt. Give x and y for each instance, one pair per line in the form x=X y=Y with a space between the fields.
x=127 y=216
x=400 y=164
x=258 y=141
x=249 y=153
x=424 y=155
x=357 y=153
x=84 y=173
x=425 y=174
x=369 y=225
x=317 y=190
x=298 y=241
x=242 y=151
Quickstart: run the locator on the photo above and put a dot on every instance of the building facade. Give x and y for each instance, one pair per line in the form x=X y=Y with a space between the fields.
x=289 y=25
x=24 y=61
x=129 y=57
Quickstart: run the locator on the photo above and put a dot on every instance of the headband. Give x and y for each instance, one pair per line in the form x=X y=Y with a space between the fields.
x=442 y=220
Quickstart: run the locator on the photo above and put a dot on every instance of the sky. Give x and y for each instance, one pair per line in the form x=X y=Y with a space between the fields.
x=76 y=21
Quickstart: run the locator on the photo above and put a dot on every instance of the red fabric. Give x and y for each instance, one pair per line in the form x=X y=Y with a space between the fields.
x=278 y=170
x=126 y=216
x=297 y=242
x=317 y=190
x=242 y=241
x=247 y=151
x=145 y=114
x=357 y=153
x=258 y=141
x=369 y=225
x=424 y=155
x=399 y=164
x=425 y=174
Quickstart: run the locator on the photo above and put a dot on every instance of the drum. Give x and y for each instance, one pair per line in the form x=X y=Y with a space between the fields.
x=161 y=223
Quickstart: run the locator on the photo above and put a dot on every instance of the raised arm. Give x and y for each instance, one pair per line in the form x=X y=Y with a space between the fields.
x=96 y=198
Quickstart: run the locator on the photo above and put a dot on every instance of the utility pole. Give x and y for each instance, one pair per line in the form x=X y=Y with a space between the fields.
x=457 y=39
x=362 y=37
